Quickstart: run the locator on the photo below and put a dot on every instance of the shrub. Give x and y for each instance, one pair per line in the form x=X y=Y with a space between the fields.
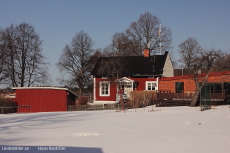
x=142 y=98
x=7 y=102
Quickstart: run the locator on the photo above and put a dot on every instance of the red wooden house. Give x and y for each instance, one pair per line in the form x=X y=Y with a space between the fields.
x=131 y=73
x=44 y=99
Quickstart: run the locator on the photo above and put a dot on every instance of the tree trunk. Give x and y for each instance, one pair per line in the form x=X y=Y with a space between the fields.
x=121 y=99
x=195 y=97
x=198 y=87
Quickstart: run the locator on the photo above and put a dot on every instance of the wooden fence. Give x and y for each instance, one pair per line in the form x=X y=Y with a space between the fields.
x=12 y=109
x=164 y=99
x=186 y=96
x=98 y=107
x=184 y=99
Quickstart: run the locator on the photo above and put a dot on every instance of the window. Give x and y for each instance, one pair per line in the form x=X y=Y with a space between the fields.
x=179 y=87
x=151 y=85
x=104 y=88
x=227 y=88
x=215 y=87
x=218 y=88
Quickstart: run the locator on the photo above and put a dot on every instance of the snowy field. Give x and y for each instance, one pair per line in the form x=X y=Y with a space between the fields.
x=164 y=130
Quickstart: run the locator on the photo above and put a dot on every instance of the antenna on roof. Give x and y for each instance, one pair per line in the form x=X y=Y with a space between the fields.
x=159 y=35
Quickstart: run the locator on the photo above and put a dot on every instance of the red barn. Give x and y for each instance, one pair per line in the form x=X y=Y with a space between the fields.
x=44 y=99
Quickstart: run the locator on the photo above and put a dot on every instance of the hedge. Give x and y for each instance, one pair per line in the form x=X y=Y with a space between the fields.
x=142 y=98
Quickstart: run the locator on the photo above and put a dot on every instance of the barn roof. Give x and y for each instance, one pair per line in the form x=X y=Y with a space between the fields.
x=55 y=88
x=135 y=65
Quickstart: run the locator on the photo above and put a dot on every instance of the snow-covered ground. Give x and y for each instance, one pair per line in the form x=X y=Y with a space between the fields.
x=164 y=130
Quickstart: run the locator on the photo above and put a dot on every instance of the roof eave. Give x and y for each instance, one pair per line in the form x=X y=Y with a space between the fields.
x=55 y=88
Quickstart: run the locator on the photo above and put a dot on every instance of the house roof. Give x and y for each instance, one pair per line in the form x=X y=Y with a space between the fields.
x=55 y=88
x=134 y=65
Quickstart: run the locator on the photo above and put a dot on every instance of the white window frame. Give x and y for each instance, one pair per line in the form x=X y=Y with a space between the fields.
x=101 y=88
x=152 y=82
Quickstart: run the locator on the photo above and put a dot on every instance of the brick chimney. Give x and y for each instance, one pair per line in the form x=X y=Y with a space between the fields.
x=146 y=52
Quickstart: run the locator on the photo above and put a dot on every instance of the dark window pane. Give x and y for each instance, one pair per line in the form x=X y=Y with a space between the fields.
x=179 y=87
x=218 y=88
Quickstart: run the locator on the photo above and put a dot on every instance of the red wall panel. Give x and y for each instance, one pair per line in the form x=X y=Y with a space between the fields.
x=42 y=100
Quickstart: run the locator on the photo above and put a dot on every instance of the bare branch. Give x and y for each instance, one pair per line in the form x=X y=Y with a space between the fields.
x=74 y=61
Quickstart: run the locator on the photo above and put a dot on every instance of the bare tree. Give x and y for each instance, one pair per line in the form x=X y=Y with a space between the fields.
x=3 y=46
x=74 y=61
x=8 y=37
x=206 y=61
x=123 y=46
x=222 y=61
x=147 y=30
x=24 y=62
x=189 y=50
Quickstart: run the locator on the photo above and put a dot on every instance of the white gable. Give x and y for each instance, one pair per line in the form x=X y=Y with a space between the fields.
x=125 y=79
x=168 y=68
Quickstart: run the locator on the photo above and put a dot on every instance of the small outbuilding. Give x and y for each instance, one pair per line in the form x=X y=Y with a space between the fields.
x=44 y=99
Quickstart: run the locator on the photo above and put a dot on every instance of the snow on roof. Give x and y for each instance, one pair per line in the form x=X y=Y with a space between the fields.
x=55 y=88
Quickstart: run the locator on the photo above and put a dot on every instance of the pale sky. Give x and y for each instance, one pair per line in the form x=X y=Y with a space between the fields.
x=57 y=21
